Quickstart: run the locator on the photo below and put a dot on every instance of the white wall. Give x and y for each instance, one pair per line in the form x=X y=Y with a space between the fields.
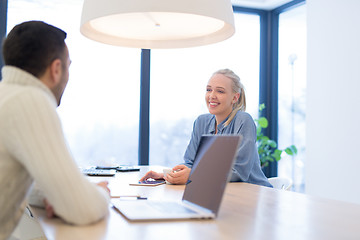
x=333 y=99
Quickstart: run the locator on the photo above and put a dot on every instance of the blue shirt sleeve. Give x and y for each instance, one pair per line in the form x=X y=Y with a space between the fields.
x=247 y=152
x=191 y=149
x=247 y=166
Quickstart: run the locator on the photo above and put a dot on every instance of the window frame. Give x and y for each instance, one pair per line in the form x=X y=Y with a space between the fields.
x=3 y=23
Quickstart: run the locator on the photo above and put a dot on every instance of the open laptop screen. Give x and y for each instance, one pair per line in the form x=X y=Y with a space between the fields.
x=211 y=169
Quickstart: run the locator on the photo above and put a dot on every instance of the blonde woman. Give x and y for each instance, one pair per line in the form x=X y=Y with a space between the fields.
x=225 y=100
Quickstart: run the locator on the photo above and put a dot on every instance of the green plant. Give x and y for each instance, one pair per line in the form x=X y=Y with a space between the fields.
x=267 y=148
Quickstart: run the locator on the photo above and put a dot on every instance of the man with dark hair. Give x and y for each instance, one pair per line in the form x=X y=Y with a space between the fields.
x=39 y=46
x=32 y=144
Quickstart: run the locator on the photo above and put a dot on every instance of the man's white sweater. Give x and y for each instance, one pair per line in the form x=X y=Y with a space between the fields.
x=33 y=148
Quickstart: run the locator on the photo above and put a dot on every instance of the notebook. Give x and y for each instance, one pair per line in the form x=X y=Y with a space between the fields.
x=203 y=191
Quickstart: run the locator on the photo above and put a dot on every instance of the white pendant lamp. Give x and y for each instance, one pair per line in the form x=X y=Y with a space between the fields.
x=150 y=24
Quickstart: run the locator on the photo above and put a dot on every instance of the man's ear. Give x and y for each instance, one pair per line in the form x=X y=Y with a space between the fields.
x=55 y=72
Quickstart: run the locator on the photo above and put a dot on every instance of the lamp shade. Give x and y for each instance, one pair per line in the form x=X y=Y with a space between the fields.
x=157 y=23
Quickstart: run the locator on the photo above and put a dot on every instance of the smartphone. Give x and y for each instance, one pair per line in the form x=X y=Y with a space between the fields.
x=148 y=183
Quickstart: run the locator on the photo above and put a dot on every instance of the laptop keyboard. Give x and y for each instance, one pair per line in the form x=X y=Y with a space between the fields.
x=170 y=207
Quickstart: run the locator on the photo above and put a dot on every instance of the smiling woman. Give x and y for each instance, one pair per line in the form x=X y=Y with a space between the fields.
x=178 y=81
x=225 y=104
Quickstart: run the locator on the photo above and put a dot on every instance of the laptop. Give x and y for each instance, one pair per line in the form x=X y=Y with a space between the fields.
x=203 y=191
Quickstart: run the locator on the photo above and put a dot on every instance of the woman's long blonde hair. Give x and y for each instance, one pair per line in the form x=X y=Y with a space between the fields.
x=237 y=87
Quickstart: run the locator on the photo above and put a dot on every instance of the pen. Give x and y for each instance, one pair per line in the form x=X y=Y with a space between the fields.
x=121 y=196
x=130 y=196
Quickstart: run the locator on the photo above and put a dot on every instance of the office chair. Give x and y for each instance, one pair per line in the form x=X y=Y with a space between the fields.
x=28 y=228
x=281 y=183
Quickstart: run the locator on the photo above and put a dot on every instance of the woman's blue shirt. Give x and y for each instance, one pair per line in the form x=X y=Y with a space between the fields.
x=247 y=164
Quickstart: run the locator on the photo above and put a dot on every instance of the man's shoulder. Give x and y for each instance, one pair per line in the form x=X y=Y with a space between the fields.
x=26 y=92
x=23 y=95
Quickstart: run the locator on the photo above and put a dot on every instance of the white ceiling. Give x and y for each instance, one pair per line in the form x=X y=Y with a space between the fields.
x=260 y=4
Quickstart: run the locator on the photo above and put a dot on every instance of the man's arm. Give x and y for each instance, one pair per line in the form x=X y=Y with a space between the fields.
x=37 y=141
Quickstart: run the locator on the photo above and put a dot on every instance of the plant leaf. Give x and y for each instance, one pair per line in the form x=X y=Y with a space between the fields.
x=258 y=131
x=292 y=150
x=261 y=107
x=272 y=143
x=269 y=158
x=264 y=138
x=277 y=154
x=267 y=148
x=263 y=122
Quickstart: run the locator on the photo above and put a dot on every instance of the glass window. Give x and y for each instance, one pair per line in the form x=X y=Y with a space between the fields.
x=292 y=93
x=178 y=83
x=100 y=106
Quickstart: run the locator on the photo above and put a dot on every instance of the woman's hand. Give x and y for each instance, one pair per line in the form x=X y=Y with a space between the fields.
x=152 y=174
x=179 y=175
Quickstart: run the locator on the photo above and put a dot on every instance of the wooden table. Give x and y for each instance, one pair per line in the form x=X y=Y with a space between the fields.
x=247 y=212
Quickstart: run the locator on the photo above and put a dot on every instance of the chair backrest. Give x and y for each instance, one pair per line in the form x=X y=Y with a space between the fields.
x=28 y=227
x=281 y=183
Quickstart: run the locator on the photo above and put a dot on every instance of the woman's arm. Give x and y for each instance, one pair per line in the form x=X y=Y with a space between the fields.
x=247 y=151
x=193 y=145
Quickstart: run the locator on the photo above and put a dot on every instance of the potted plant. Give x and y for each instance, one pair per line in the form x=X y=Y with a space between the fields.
x=267 y=148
